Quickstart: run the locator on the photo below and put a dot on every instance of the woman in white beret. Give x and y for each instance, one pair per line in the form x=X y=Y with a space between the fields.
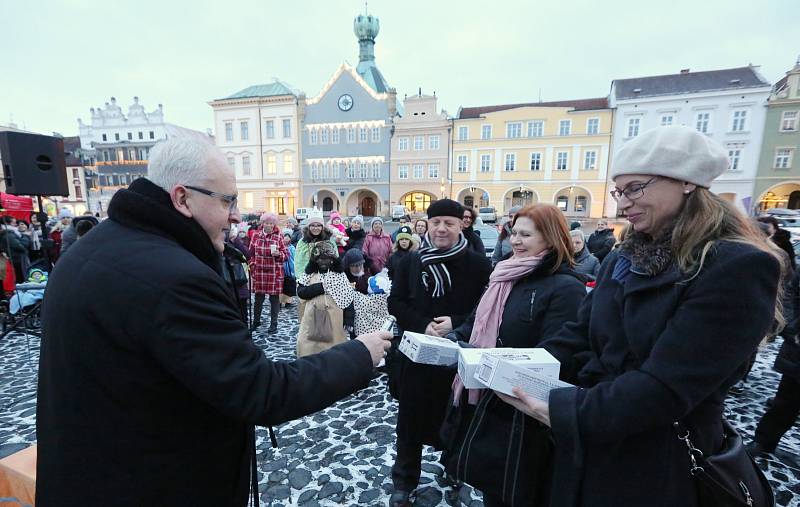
x=678 y=309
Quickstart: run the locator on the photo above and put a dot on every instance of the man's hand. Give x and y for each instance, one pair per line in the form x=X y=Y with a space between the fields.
x=431 y=329
x=377 y=343
x=529 y=405
x=442 y=325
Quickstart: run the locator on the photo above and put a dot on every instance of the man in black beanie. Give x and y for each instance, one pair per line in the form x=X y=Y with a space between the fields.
x=433 y=292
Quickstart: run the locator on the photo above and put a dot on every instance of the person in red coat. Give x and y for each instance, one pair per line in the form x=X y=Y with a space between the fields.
x=268 y=254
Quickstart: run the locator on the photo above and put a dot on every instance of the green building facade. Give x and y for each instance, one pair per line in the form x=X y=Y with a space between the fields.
x=778 y=177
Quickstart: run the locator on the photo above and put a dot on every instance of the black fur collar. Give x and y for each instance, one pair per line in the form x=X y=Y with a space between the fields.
x=648 y=256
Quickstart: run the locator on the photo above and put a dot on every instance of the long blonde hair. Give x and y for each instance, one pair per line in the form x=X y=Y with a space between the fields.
x=706 y=219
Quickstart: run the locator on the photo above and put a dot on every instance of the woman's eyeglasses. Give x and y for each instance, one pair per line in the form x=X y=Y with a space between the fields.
x=633 y=191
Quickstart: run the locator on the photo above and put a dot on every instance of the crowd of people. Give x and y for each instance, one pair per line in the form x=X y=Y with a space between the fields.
x=649 y=327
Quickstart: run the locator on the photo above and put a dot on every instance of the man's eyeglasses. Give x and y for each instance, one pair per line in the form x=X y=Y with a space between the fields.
x=632 y=191
x=231 y=200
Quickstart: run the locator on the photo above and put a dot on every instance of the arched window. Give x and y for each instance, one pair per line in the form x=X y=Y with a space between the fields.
x=327 y=204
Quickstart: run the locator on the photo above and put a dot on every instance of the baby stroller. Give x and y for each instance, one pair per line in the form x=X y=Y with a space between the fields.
x=25 y=303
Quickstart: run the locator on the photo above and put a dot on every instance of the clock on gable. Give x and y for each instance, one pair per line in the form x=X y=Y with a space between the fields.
x=346 y=102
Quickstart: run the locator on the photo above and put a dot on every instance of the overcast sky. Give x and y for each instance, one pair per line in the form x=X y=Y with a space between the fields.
x=59 y=58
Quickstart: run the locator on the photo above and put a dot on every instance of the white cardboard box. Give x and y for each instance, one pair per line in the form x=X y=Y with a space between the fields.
x=426 y=349
x=534 y=359
x=503 y=376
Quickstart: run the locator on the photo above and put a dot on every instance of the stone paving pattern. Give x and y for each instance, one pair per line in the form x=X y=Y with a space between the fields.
x=342 y=455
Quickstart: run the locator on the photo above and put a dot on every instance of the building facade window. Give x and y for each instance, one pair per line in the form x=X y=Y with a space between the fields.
x=362 y=170
x=288 y=163
x=287 y=128
x=433 y=142
x=337 y=170
x=702 y=121
x=402 y=172
x=335 y=135
x=376 y=170
x=153 y=135
x=463 y=133
x=269 y=129
x=633 y=126
x=511 y=162
x=351 y=170
x=246 y=165
x=513 y=130
x=419 y=143
x=788 y=122
x=418 y=171
x=130 y=136
x=351 y=135
x=433 y=170
x=783 y=158
x=402 y=144
x=590 y=161
x=314 y=172
x=593 y=126
x=105 y=137
x=116 y=136
x=486 y=163
x=141 y=134
x=461 y=163
x=562 y=160
x=733 y=156
x=323 y=136
x=362 y=135
x=535 y=128
x=312 y=136
x=272 y=164
x=486 y=132
x=376 y=134
x=667 y=119
x=564 y=127
x=75 y=172
x=739 y=121
x=562 y=202
x=536 y=161
x=580 y=204
x=232 y=162
x=228 y=131
x=244 y=130
x=326 y=170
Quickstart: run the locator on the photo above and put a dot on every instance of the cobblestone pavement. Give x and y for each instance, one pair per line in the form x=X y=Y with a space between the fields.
x=342 y=455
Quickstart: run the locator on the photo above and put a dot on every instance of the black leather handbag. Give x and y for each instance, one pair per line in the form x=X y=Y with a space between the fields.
x=730 y=477
x=498 y=450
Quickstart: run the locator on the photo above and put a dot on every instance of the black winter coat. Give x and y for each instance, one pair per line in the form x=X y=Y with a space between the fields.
x=601 y=243
x=423 y=390
x=394 y=261
x=356 y=238
x=474 y=240
x=537 y=307
x=644 y=354
x=149 y=382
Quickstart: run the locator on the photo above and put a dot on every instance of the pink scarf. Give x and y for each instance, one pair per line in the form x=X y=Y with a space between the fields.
x=489 y=314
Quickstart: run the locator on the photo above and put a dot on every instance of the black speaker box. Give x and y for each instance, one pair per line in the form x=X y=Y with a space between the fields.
x=33 y=164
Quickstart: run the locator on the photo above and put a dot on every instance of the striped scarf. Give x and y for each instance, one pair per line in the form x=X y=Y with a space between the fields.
x=434 y=264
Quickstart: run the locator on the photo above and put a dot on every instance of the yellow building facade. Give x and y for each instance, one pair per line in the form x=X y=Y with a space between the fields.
x=546 y=152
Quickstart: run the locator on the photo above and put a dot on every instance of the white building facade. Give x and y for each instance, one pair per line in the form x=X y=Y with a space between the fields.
x=257 y=131
x=118 y=147
x=728 y=105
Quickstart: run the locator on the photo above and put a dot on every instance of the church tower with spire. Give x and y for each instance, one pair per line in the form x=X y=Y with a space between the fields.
x=366 y=28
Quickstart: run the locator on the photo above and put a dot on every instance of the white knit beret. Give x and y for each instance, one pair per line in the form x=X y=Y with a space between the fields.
x=676 y=152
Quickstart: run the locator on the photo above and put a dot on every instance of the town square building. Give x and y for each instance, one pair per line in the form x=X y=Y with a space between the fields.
x=420 y=153
x=257 y=131
x=728 y=105
x=346 y=134
x=540 y=152
x=778 y=177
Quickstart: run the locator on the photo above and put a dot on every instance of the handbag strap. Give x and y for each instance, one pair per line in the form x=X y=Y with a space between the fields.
x=697 y=461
